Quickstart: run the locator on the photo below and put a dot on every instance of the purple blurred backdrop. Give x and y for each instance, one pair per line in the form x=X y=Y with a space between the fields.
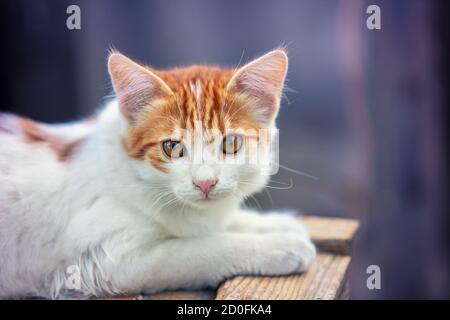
x=365 y=113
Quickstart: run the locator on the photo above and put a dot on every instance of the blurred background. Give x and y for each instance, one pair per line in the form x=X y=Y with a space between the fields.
x=365 y=114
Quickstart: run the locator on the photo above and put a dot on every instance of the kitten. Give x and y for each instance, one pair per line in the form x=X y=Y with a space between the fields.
x=141 y=198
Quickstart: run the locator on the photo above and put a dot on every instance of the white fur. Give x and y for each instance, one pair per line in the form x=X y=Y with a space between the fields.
x=128 y=227
x=196 y=89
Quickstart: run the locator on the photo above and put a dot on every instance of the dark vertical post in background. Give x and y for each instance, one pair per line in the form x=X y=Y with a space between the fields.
x=38 y=57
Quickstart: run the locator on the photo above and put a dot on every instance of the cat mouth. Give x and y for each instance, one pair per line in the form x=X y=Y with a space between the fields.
x=212 y=197
x=206 y=199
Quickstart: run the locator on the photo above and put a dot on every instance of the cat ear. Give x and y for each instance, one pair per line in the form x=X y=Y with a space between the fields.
x=262 y=80
x=135 y=86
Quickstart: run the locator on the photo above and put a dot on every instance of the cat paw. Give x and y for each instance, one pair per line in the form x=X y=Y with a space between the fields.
x=286 y=254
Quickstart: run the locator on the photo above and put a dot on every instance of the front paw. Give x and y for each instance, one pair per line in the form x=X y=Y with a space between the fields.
x=287 y=253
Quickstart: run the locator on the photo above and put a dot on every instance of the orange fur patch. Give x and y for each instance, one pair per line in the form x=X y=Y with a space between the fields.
x=200 y=95
x=35 y=133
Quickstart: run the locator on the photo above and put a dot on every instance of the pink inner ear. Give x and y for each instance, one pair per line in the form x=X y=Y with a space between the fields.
x=134 y=85
x=263 y=79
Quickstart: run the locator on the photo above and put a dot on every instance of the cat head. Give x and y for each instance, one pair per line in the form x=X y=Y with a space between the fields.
x=201 y=134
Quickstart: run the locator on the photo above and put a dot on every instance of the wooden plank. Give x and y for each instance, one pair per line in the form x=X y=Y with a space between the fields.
x=333 y=235
x=323 y=281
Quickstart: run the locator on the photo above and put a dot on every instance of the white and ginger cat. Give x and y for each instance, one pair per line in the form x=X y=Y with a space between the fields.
x=120 y=199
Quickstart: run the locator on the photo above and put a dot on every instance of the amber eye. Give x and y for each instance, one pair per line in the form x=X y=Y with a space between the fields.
x=232 y=143
x=173 y=149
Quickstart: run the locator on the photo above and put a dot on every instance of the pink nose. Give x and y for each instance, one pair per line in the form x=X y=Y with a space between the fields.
x=205 y=185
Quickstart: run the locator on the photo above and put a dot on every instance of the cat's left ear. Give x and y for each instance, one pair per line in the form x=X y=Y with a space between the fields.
x=262 y=80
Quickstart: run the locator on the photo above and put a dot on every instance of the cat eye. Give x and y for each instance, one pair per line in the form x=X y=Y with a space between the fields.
x=232 y=143
x=173 y=149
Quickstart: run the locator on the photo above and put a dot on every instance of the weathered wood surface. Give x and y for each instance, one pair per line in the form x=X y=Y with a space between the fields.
x=324 y=280
x=333 y=235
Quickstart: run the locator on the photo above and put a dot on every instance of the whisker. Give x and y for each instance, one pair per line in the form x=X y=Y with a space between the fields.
x=161 y=196
x=141 y=186
x=271 y=187
x=280 y=182
x=250 y=197
x=240 y=60
x=300 y=173
x=269 y=196
x=169 y=203
x=256 y=201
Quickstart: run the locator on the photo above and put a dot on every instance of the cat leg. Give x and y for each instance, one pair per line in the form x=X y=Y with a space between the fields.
x=194 y=263
x=251 y=221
